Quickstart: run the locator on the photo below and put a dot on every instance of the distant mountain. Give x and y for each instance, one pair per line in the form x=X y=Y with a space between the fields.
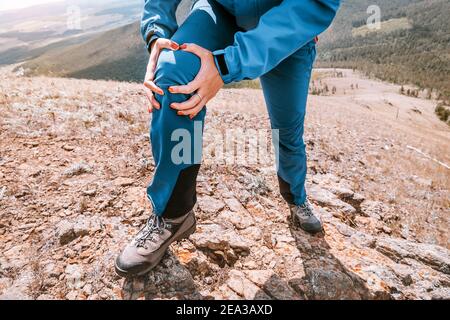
x=118 y=54
x=412 y=45
x=27 y=33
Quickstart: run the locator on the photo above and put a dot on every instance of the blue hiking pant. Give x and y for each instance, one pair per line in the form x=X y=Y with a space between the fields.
x=172 y=191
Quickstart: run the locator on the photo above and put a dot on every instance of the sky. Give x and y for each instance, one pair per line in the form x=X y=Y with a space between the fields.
x=17 y=4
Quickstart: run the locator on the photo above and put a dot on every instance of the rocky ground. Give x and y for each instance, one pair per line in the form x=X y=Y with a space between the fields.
x=75 y=161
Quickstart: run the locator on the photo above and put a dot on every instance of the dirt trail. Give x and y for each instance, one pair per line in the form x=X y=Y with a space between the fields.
x=75 y=160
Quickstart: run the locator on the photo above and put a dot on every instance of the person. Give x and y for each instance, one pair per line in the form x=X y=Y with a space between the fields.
x=222 y=41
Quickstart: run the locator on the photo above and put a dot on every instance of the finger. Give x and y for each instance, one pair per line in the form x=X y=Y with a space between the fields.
x=198 y=109
x=154 y=55
x=193 y=111
x=193 y=48
x=188 y=104
x=150 y=75
x=191 y=87
x=149 y=96
x=155 y=102
x=152 y=63
x=167 y=44
x=152 y=86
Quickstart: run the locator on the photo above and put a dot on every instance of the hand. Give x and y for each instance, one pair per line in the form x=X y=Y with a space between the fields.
x=149 y=86
x=206 y=84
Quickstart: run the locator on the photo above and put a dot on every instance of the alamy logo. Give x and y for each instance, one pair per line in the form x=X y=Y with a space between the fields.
x=73 y=18
x=374 y=19
x=227 y=147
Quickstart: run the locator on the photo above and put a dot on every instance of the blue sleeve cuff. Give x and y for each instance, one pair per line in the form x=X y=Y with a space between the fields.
x=153 y=37
x=152 y=34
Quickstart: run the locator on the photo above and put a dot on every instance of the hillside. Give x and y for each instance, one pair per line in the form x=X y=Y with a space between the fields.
x=412 y=46
x=75 y=161
x=116 y=54
x=29 y=32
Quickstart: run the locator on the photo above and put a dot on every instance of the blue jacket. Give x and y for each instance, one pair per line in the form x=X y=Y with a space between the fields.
x=282 y=28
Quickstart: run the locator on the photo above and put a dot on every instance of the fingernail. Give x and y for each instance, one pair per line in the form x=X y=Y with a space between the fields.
x=183 y=46
x=172 y=106
x=170 y=90
x=191 y=116
x=179 y=113
x=174 y=46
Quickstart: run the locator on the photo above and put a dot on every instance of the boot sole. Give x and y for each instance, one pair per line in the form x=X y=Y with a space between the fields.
x=184 y=235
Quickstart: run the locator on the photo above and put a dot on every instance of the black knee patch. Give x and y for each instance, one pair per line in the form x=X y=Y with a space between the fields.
x=285 y=190
x=184 y=195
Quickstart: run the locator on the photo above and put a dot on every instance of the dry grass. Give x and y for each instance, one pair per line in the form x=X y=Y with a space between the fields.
x=385 y=27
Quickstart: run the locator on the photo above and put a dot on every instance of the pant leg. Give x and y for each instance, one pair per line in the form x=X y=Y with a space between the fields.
x=172 y=190
x=286 y=91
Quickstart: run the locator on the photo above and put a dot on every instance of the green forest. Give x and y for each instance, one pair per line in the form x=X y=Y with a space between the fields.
x=411 y=47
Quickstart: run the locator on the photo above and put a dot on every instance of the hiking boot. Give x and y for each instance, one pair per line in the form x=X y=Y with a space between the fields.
x=147 y=248
x=303 y=215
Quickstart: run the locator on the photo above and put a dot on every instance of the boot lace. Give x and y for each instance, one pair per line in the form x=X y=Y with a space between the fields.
x=306 y=209
x=155 y=225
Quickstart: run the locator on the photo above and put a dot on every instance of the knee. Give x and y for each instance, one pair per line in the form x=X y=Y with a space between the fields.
x=176 y=68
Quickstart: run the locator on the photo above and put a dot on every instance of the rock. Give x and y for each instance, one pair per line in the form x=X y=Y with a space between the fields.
x=74 y=276
x=224 y=292
x=168 y=279
x=260 y=284
x=68 y=231
x=20 y=288
x=15 y=293
x=65 y=232
x=325 y=179
x=326 y=198
x=89 y=192
x=234 y=204
x=245 y=288
x=210 y=205
x=50 y=270
x=358 y=197
x=87 y=225
x=77 y=169
x=123 y=182
x=401 y=250
x=223 y=244
x=81 y=228
x=407 y=280
x=195 y=260
x=72 y=295
x=87 y=289
x=374 y=209
x=330 y=284
x=253 y=233
x=272 y=284
x=2 y=193
x=68 y=147
x=13 y=258
x=240 y=220
x=341 y=192
x=386 y=229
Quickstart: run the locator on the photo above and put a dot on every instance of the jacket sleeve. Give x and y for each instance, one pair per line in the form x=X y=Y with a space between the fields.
x=281 y=31
x=158 y=19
